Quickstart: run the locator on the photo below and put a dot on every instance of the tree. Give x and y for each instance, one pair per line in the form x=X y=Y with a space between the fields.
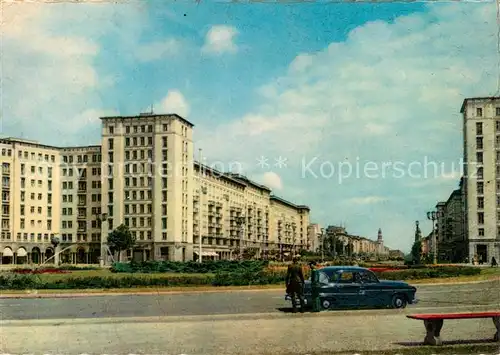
x=416 y=252
x=120 y=239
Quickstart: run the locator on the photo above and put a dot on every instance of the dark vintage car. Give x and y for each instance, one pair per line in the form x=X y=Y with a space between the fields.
x=357 y=287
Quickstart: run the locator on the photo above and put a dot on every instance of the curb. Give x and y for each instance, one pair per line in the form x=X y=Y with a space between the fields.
x=35 y=294
x=459 y=283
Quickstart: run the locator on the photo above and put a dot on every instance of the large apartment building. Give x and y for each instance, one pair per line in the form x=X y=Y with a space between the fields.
x=232 y=213
x=481 y=129
x=143 y=175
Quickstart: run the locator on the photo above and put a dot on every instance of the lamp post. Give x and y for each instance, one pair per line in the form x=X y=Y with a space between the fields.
x=433 y=216
x=103 y=217
x=240 y=221
x=280 y=245
x=203 y=191
x=294 y=238
x=322 y=244
x=55 y=242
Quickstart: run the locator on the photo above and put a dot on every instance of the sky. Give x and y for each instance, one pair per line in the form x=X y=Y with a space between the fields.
x=349 y=108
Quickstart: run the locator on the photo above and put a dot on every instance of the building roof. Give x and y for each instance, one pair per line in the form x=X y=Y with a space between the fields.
x=288 y=203
x=27 y=142
x=467 y=100
x=151 y=115
x=216 y=172
x=246 y=180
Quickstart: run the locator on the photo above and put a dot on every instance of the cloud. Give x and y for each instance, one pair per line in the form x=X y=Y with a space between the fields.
x=50 y=83
x=158 y=50
x=389 y=92
x=368 y=200
x=220 y=39
x=271 y=180
x=175 y=102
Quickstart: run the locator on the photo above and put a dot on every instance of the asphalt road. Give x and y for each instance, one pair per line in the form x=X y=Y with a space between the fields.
x=203 y=304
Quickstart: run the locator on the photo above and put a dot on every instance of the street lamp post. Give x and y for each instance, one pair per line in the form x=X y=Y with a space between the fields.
x=294 y=239
x=322 y=244
x=433 y=216
x=280 y=245
x=240 y=221
x=103 y=217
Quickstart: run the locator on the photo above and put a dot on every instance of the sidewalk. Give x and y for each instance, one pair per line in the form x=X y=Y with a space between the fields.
x=231 y=334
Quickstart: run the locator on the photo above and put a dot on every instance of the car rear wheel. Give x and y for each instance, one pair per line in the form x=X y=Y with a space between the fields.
x=399 y=301
x=325 y=303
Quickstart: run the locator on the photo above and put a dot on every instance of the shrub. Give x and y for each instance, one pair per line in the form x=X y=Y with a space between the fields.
x=427 y=273
x=190 y=267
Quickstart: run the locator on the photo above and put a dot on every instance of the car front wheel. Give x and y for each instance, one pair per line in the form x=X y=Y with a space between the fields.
x=399 y=301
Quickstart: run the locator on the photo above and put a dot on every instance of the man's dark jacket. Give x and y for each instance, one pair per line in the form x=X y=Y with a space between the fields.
x=294 y=279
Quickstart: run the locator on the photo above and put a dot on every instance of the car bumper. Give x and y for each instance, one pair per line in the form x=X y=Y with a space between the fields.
x=414 y=301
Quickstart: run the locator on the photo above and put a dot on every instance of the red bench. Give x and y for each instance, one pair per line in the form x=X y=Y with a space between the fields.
x=434 y=322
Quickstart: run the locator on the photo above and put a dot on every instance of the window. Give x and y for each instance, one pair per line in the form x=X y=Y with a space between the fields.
x=480 y=202
x=479 y=157
x=480 y=173
x=480 y=218
x=479 y=128
x=111 y=130
x=497 y=111
x=480 y=232
x=479 y=112
x=479 y=142
x=480 y=188
x=346 y=277
x=367 y=277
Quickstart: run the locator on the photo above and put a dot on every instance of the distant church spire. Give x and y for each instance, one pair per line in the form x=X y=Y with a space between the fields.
x=379 y=237
x=418 y=232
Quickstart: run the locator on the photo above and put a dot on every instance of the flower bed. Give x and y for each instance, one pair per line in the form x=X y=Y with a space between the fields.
x=24 y=280
x=41 y=271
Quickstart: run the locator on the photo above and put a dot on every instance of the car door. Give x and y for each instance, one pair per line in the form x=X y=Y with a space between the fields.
x=347 y=289
x=370 y=293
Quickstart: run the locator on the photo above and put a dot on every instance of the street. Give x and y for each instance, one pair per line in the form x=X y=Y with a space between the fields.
x=243 y=322
x=242 y=302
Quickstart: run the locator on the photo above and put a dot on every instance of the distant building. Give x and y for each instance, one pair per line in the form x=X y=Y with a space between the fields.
x=314 y=237
x=451 y=239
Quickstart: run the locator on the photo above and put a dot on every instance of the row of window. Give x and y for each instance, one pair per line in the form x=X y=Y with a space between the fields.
x=38 y=224
x=480 y=232
x=34 y=183
x=33 y=170
x=31 y=155
x=83 y=158
x=479 y=111
x=22 y=210
x=82 y=172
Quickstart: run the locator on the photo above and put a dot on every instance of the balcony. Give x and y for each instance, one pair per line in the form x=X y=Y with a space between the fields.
x=81 y=216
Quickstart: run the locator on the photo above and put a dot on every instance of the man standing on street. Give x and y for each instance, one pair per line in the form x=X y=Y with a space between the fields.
x=295 y=284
